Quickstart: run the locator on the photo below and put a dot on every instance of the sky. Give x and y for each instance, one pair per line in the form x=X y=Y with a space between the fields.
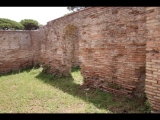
x=40 y=14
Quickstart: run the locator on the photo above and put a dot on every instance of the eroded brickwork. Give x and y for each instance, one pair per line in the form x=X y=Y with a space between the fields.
x=60 y=46
x=15 y=50
x=112 y=50
x=109 y=44
x=53 y=50
x=36 y=39
x=152 y=83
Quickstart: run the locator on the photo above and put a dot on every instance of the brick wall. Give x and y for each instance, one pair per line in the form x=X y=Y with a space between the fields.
x=109 y=44
x=152 y=84
x=36 y=39
x=19 y=49
x=60 y=45
x=15 y=50
x=111 y=48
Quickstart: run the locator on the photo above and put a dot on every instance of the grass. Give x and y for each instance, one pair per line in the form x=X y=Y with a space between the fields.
x=31 y=91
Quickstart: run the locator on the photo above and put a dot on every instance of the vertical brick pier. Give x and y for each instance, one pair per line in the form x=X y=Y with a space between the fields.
x=152 y=83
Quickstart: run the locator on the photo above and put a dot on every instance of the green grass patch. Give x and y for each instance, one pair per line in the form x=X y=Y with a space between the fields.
x=31 y=91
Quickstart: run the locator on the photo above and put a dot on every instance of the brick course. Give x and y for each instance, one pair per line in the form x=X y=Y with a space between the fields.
x=15 y=50
x=152 y=57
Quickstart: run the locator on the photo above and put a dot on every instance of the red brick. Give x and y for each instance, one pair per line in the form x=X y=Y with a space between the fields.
x=108 y=45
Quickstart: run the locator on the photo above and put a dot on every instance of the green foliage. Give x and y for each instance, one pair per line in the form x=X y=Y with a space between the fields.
x=6 y=24
x=29 y=24
x=76 y=8
x=147 y=107
x=114 y=85
x=75 y=69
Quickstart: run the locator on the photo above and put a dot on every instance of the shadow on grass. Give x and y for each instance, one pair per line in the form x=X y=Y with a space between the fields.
x=102 y=100
x=13 y=72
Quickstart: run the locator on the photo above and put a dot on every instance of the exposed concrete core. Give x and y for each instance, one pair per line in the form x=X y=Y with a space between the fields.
x=117 y=49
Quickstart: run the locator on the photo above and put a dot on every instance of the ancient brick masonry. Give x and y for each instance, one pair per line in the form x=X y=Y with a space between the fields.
x=15 y=50
x=152 y=84
x=112 y=45
x=35 y=48
x=60 y=45
x=112 y=49
x=19 y=49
